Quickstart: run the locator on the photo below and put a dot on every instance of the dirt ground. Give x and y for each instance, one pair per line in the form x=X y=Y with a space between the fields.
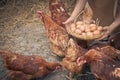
x=23 y=33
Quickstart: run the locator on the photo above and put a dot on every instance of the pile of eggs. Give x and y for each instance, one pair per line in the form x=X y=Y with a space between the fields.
x=86 y=31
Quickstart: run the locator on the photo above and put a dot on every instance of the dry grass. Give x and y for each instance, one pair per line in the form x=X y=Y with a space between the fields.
x=15 y=11
x=23 y=11
x=20 y=13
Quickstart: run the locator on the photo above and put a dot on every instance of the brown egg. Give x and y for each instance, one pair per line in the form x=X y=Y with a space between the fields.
x=99 y=28
x=97 y=32
x=87 y=29
x=93 y=28
x=79 y=23
x=82 y=28
x=72 y=27
x=78 y=31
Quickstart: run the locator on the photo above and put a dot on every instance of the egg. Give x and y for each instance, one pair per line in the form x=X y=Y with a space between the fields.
x=99 y=28
x=82 y=28
x=87 y=29
x=97 y=32
x=93 y=28
x=78 y=31
x=72 y=27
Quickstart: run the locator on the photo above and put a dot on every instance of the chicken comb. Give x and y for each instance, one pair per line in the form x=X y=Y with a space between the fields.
x=40 y=14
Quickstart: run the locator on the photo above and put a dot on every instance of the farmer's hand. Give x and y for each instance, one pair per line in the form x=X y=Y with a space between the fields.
x=106 y=31
x=69 y=20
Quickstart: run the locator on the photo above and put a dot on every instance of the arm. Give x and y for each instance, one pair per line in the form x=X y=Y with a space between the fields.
x=80 y=4
x=116 y=23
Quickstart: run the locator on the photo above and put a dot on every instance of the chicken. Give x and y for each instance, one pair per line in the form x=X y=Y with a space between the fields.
x=59 y=14
x=115 y=40
x=73 y=51
x=56 y=34
x=110 y=51
x=57 y=50
x=102 y=66
x=106 y=49
x=97 y=44
x=35 y=66
x=87 y=15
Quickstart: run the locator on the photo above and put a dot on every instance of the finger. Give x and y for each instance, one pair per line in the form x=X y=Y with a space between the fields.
x=105 y=28
x=66 y=22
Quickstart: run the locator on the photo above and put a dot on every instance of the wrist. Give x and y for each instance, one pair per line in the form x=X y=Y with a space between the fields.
x=111 y=28
x=73 y=17
x=113 y=25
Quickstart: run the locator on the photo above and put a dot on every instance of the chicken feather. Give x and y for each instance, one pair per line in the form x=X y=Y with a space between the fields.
x=102 y=66
x=56 y=34
x=32 y=65
x=58 y=12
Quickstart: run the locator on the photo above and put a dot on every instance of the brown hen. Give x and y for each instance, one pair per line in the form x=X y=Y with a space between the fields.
x=73 y=51
x=32 y=65
x=110 y=51
x=57 y=50
x=56 y=34
x=106 y=49
x=102 y=66
x=58 y=12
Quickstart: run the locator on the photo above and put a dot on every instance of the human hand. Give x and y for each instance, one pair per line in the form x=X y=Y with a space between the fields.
x=69 y=20
x=106 y=31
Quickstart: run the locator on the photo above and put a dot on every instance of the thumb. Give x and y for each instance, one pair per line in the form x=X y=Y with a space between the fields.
x=66 y=22
x=69 y=21
x=105 y=28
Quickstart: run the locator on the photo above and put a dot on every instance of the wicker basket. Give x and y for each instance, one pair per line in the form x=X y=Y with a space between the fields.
x=82 y=37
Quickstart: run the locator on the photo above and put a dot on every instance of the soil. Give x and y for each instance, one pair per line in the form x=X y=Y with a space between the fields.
x=22 y=32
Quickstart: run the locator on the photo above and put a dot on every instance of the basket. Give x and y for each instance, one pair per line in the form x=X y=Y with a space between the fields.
x=82 y=37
